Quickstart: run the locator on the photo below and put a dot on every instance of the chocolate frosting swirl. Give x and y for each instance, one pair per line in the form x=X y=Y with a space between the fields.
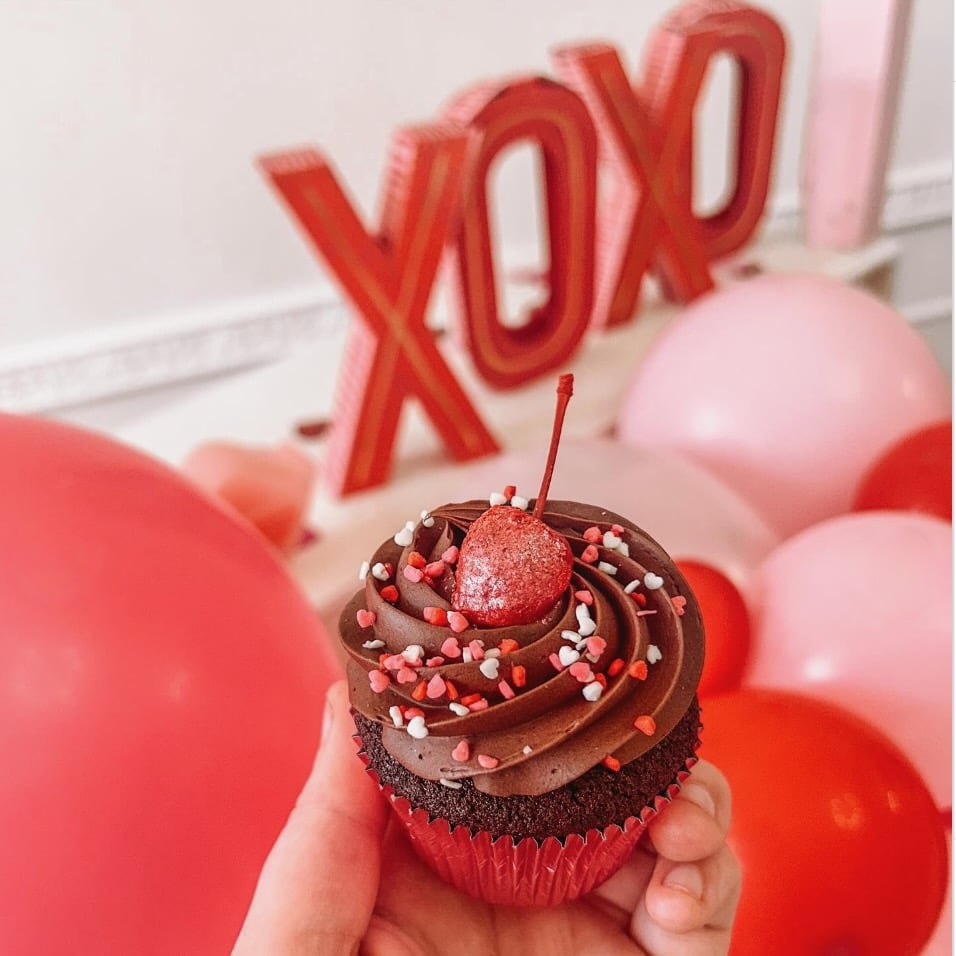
x=526 y=726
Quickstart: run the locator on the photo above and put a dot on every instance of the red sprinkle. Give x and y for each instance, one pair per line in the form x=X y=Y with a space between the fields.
x=585 y=597
x=452 y=690
x=640 y=598
x=615 y=667
x=505 y=689
x=435 y=570
x=508 y=645
x=645 y=724
x=593 y=535
x=612 y=763
x=519 y=675
x=638 y=670
x=435 y=615
x=469 y=699
x=410 y=712
x=487 y=761
x=590 y=554
x=416 y=560
x=480 y=704
x=435 y=662
x=510 y=491
x=601 y=679
x=450 y=555
x=461 y=752
x=420 y=690
x=389 y=593
x=365 y=618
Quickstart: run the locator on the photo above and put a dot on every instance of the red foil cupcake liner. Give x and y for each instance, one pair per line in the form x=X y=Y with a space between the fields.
x=526 y=873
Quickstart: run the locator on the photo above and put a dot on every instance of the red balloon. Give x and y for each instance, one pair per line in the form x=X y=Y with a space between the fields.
x=915 y=474
x=726 y=627
x=161 y=689
x=841 y=846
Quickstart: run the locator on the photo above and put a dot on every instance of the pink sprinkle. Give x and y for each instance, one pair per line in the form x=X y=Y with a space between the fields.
x=644 y=613
x=461 y=752
x=435 y=662
x=596 y=645
x=477 y=651
x=585 y=597
x=593 y=535
x=487 y=761
x=457 y=621
x=679 y=602
x=556 y=662
x=378 y=681
x=450 y=555
x=590 y=554
x=406 y=676
x=505 y=689
x=435 y=570
x=394 y=662
x=617 y=529
x=365 y=618
x=581 y=671
x=413 y=574
x=450 y=646
x=436 y=687
x=480 y=704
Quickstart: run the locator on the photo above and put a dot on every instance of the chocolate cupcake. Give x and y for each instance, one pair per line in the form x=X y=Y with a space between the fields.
x=524 y=687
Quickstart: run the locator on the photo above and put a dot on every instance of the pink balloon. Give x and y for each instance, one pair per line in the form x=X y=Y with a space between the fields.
x=161 y=691
x=857 y=610
x=787 y=388
x=689 y=511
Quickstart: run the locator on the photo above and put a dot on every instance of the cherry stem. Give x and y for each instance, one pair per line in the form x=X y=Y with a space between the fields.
x=565 y=391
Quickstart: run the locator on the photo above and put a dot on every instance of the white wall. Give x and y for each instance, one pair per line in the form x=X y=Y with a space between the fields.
x=131 y=207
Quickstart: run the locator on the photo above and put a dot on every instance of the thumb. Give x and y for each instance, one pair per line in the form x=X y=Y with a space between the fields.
x=332 y=841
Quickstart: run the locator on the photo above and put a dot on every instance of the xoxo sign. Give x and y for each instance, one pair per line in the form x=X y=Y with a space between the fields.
x=639 y=137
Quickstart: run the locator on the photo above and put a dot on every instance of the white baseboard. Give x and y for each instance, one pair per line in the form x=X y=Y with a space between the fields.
x=70 y=372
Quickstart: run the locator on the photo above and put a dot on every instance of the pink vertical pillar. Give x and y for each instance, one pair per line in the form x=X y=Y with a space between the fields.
x=849 y=129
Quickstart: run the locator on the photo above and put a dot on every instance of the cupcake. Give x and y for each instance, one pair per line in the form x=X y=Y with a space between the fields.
x=523 y=681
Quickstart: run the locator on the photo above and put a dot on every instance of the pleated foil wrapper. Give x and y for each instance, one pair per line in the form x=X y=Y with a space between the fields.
x=529 y=872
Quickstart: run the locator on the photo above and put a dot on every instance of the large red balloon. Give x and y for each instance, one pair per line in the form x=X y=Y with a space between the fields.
x=842 y=848
x=161 y=691
x=915 y=474
x=726 y=627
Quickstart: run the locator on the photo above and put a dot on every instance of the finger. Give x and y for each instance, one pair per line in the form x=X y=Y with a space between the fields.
x=332 y=839
x=688 y=909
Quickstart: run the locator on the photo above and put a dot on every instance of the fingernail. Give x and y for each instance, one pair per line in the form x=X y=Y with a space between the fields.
x=687 y=878
x=699 y=795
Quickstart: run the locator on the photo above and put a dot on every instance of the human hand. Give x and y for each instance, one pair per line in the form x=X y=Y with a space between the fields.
x=342 y=879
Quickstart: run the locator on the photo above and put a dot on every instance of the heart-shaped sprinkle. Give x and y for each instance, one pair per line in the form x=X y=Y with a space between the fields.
x=435 y=662
x=404 y=537
x=394 y=662
x=457 y=621
x=654 y=654
x=517 y=501
x=451 y=648
x=417 y=729
x=590 y=554
x=364 y=618
x=459 y=710
x=487 y=761
x=462 y=751
x=592 y=691
x=593 y=535
x=610 y=540
x=653 y=581
x=477 y=649
x=450 y=555
x=638 y=670
x=489 y=668
x=416 y=560
x=567 y=655
x=413 y=654
x=497 y=498
x=435 y=615
x=581 y=671
x=435 y=569
x=389 y=593
x=406 y=675
x=378 y=681
x=412 y=574
x=585 y=597
x=596 y=645
x=679 y=602
x=646 y=725
x=435 y=688
x=380 y=572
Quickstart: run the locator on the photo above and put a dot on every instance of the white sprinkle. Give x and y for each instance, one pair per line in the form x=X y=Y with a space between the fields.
x=451 y=784
x=654 y=654
x=363 y=570
x=395 y=713
x=568 y=655
x=403 y=538
x=465 y=655
x=632 y=586
x=586 y=625
x=571 y=636
x=413 y=653
x=427 y=520
x=417 y=729
x=379 y=571
x=622 y=548
x=493 y=652
x=607 y=567
x=653 y=581
x=497 y=498
x=611 y=540
x=592 y=691
x=581 y=645
x=526 y=749
x=459 y=710
x=519 y=502
x=373 y=645
x=489 y=668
